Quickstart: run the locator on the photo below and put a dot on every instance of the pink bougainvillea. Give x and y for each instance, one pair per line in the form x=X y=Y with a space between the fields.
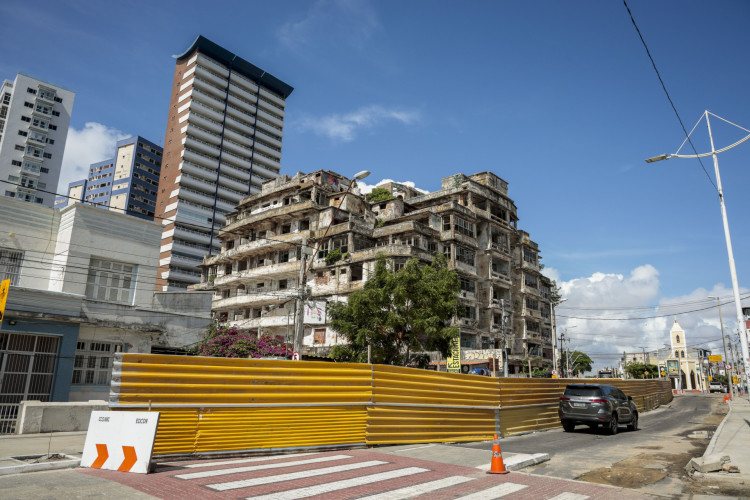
x=228 y=342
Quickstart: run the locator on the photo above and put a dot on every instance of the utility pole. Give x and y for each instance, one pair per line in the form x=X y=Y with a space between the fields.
x=643 y=351
x=505 y=350
x=724 y=342
x=299 y=304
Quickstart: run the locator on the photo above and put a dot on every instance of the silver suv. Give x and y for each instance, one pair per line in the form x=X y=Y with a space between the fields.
x=594 y=404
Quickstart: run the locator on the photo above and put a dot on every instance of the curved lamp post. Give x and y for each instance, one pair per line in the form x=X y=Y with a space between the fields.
x=735 y=287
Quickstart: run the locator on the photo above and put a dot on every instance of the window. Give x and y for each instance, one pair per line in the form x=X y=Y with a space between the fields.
x=678 y=339
x=319 y=336
x=529 y=256
x=93 y=363
x=111 y=281
x=22 y=133
x=48 y=155
x=464 y=227
x=282 y=284
x=44 y=170
x=16 y=163
x=19 y=148
x=10 y=265
x=28 y=104
x=30 y=90
x=25 y=119
x=464 y=255
x=532 y=304
x=468 y=285
x=55 y=113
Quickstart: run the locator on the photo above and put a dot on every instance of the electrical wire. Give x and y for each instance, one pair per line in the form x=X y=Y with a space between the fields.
x=669 y=98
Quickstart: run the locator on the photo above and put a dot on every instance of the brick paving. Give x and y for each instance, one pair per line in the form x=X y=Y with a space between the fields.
x=347 y=475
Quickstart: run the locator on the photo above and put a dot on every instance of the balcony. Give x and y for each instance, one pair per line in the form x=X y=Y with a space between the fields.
x=253 y=299
x=283 y=211
x=202 y=160
x=188 y=234
x=202 y=71
x=248 y=248
x=201 y=146
x=500 y=248
x=290 y=269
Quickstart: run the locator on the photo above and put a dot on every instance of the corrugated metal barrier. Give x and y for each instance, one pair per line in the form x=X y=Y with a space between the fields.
x=220 y=406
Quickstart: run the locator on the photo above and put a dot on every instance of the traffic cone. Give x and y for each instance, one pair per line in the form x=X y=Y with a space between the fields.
x=497 y=466
x=725 y=398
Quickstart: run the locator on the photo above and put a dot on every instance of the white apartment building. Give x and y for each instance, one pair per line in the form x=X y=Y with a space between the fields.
x=34 y=119
x=223 y=140
x=82 y=288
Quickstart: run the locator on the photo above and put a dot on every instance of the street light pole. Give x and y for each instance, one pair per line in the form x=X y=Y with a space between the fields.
x=727 y=237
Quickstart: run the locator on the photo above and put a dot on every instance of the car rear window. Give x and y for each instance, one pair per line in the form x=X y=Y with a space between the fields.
x=583 y=391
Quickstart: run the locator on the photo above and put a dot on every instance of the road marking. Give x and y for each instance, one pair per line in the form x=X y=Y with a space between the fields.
x=236 y=461
x=419 y=489
x=498 y=491
x=569 y=496
x=340 y=485
x=415 y=448
x=250 y=468
x=245 y=483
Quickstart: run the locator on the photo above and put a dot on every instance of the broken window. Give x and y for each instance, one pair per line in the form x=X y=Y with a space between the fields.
x=356 y=272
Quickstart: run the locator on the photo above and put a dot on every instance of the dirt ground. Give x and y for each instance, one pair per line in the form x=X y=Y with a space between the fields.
x=664 y=463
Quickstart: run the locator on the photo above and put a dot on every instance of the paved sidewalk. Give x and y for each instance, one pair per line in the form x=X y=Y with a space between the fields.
x=732 y=438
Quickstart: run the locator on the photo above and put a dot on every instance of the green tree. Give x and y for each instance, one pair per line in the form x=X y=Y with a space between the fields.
x=378 y=194
x=640 y=370
x=579 y=363
x=398 y=314
x=555 y=294
x=228 y=342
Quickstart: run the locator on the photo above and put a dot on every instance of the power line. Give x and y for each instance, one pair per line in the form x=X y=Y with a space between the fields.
x=669 y=98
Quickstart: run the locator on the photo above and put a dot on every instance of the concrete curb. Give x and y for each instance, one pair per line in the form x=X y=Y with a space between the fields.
x=521 y=461
x=26 y=467
x=712 y=443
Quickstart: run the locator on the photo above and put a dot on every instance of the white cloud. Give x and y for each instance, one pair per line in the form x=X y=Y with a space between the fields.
x=367 y=188
x=93 y=143
x=344 y=127
x=608 y=314
x=352 y=21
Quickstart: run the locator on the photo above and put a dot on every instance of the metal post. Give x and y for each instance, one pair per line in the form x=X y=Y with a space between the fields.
x=732 y=269
x=724 y=341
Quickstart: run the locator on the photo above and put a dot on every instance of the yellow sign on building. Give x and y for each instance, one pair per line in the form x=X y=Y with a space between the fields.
x=4 y=287
x=715 y=358
x=454 y=360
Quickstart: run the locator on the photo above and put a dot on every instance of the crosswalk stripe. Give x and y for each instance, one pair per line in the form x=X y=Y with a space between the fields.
x=498 y=491
x=250 y=468
x=419 y=489
x=245 y=483
x=340 y=485
x=569 y=496
x=236 y=461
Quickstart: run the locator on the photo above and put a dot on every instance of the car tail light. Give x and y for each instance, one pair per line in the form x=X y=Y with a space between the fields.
x=564 y=399
x=598 y=401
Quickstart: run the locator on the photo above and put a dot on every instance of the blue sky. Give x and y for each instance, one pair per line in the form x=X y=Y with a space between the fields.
x=558 y=98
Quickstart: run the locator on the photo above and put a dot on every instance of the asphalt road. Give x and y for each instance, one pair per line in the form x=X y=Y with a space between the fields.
x=666 y=440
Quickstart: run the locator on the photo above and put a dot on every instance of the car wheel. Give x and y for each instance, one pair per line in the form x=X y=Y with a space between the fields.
x=612 y=425
x=633 y=425
x=568 y=426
